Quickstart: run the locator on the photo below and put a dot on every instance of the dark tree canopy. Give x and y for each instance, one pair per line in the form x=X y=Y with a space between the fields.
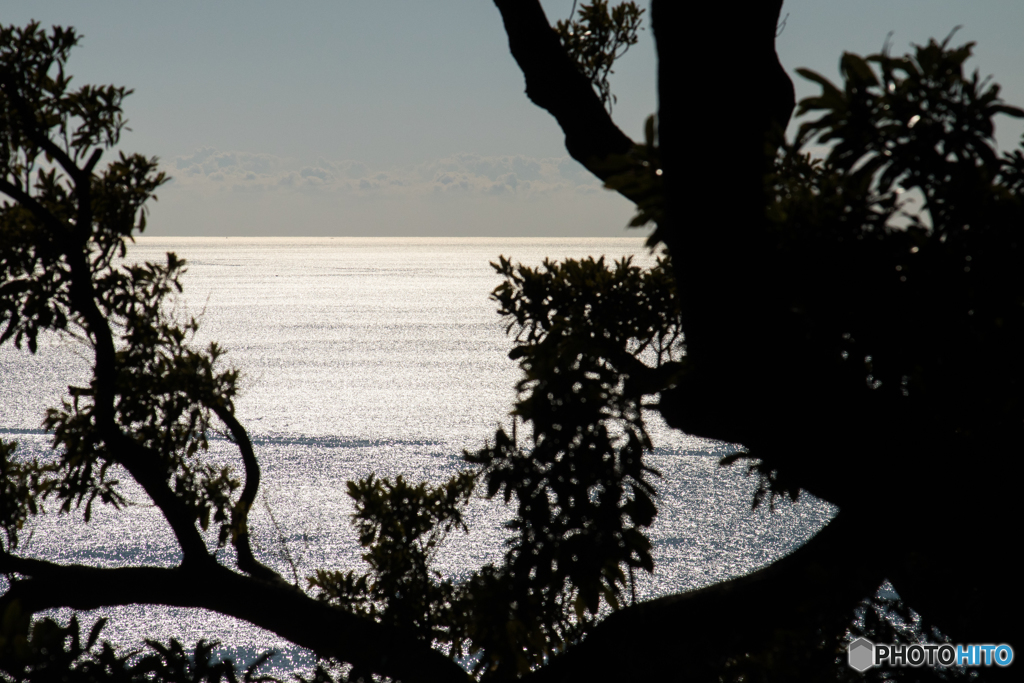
x=815 y=336
x=860 y=351
x=153 y=396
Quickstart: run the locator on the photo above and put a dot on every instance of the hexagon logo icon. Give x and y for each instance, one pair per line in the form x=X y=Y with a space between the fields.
x=861 y=654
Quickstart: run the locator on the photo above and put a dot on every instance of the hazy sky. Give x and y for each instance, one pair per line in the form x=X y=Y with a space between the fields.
x=390 y=117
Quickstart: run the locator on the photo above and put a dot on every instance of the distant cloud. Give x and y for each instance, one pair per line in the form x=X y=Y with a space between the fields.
x=464 y=175
x=218 y=192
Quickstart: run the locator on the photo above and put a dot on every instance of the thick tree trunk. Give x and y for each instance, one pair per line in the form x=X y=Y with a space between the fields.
x=760 y=379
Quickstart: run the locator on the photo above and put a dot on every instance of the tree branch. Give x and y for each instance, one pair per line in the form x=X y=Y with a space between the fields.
x=817 y=587
x=247 y=562
x=28 y=118
x=282 y=609
x=139 y=462
x=30 y=203
x=142 y=466
x=30 y=127
x=136 y=460
x=554 y=83
x=93 y=160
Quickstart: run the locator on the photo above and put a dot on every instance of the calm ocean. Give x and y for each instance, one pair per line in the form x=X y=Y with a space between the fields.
x=363 y=355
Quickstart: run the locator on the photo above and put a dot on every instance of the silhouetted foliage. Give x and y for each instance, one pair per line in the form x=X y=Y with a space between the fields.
x=879 y=339
x=46 y=651
x=911 y=231
x=598 y=37
x=592 y=342
x=584 y=496
x=153 y=397
x=402 y=526
x=906 y=317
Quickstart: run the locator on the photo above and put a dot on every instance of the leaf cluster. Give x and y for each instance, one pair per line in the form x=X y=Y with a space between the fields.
x=44 y=650
x=22 y=485
x=922 y=304
x=63 y=232
x=402 y=526
x=919 y=122
x=592 y=340
x=37 y=95
x=164 y=390
x=597 y=37
x=51 y=139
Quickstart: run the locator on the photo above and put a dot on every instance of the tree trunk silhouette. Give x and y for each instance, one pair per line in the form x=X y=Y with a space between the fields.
x=759 y=379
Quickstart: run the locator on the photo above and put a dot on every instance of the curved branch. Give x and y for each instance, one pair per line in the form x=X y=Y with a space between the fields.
x=286 y=611
x=247 y=562
x=141 y=465
x=554 y=83
x=811 y=593
x=138 y=461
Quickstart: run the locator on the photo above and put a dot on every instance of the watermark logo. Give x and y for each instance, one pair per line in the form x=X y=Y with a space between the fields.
x=862 y=654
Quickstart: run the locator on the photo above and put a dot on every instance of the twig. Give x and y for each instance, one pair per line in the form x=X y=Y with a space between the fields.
x=281 y=540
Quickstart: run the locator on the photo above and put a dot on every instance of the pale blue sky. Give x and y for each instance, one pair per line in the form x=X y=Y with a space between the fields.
x=387 y=117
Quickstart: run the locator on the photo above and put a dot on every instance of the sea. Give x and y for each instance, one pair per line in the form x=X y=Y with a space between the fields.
x=360 y=356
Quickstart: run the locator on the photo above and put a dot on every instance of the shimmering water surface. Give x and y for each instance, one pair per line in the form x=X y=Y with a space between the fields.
x=363 y=355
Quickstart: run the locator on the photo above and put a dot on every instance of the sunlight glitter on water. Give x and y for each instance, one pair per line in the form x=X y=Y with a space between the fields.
x=363 y=355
